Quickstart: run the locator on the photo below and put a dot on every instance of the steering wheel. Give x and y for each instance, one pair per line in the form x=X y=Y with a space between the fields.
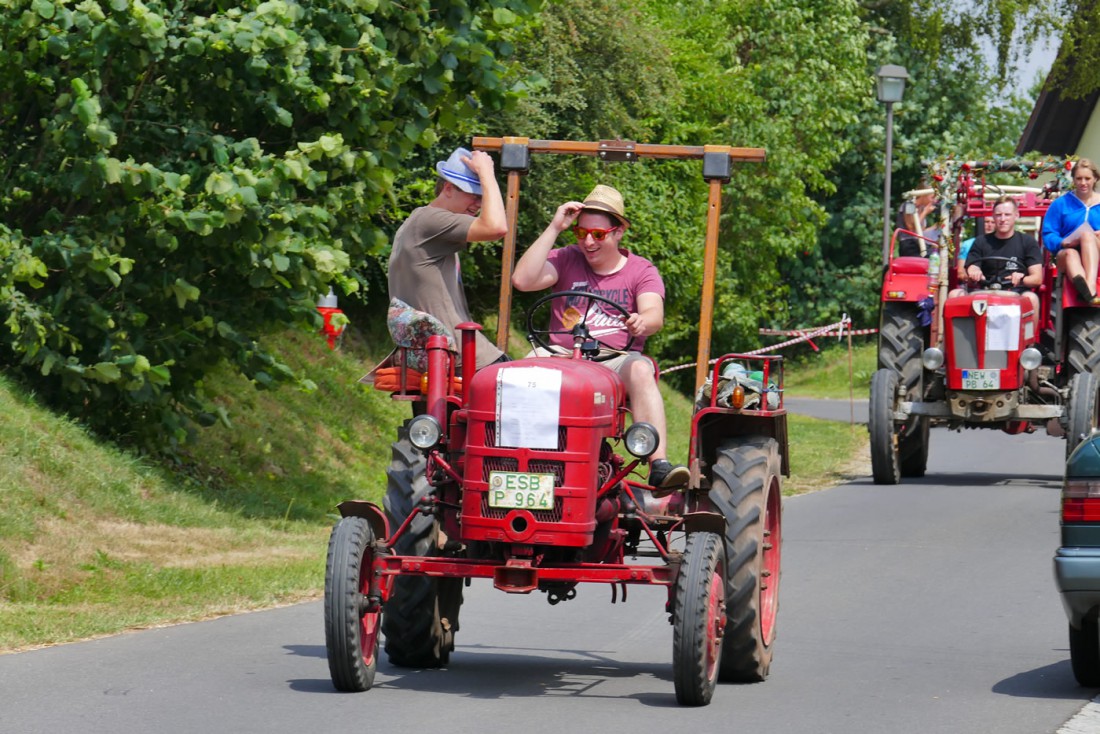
x=580 y=330
x=1004 y=282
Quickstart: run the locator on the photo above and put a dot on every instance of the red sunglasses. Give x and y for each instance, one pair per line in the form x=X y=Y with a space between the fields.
x=597 y=234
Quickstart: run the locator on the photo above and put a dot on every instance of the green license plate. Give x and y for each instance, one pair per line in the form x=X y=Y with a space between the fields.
x=981 y=380
x=519 y=490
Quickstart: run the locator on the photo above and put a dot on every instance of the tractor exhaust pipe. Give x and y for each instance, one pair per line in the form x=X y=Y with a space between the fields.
x=1046 y=391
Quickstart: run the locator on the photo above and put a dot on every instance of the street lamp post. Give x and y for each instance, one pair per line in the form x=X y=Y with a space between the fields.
x=890 y=80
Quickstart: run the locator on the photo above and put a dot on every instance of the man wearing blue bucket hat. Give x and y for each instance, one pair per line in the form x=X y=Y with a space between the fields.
x=423 y=267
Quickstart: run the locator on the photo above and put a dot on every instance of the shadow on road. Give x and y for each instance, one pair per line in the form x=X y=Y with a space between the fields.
x=1054 y=681
x=307 y=651
x=483 y=672
x=969 y=480
x=313 y=685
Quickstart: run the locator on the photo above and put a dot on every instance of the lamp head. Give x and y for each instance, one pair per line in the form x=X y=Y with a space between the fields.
x=890 y=80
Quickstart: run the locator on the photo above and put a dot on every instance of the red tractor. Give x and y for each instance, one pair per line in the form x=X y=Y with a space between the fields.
x=985 y=359
x=526 y=473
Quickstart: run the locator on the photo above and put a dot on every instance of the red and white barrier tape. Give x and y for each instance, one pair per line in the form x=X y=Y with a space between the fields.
x=798 y=332
x=801 y=335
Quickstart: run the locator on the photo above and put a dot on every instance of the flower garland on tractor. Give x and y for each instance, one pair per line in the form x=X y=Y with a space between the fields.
x=954 y=179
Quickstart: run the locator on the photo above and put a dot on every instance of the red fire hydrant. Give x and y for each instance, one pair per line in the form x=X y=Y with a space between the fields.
x=326 y=306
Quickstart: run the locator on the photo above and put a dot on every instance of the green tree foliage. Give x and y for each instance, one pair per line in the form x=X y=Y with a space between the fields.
x=1075 y=68
x=946 y=32
x=939 y=119
x=787 y=77
x=955 y=105
x=604 y=73
x=782 y=76
x=179 y=178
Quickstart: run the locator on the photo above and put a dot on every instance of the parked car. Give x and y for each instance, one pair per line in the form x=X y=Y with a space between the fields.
x=1077 y=561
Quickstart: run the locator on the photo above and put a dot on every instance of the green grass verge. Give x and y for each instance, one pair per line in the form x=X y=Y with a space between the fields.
x=832 y=373
x=825 y=453
x=94 y=541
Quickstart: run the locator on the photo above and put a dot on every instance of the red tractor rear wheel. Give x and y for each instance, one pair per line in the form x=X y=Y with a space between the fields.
x=1081 y=413
x=422 y=613
x=1083 y=342
x=745 y=489
x=901 y=342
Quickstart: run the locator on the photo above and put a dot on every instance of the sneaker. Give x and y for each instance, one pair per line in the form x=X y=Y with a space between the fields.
x=663 y=474
x=1083 y=289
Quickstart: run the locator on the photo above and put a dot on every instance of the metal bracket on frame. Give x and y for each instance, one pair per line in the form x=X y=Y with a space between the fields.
x=617 y=151
x=515 y=155
x=717 y=165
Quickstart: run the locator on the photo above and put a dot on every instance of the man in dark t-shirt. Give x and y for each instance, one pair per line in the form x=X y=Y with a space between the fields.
x=1006 y=256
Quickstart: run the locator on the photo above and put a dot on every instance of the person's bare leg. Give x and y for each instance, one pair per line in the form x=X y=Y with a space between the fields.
x=1030 y=295
x=1069 y=264
x=647 y=406
x=645 y=401
x=1090 y=256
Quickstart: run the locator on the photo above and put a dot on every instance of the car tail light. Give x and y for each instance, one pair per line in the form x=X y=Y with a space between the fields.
x=1081 y=500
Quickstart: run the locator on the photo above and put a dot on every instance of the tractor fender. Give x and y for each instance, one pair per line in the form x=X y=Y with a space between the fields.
x=711 y=427
x=370 y=512
x=707 y=522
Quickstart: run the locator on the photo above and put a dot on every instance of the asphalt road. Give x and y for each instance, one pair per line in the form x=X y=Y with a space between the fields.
x=854 y=411
x=927 y=607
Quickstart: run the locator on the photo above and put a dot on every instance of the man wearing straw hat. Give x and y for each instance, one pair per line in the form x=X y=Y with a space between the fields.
x=423 y=268
x=597 y=264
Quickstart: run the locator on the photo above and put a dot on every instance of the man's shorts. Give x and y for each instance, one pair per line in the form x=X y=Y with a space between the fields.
x=620 y=362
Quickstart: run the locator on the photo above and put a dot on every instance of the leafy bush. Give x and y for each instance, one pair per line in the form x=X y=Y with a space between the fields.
x=179 y=178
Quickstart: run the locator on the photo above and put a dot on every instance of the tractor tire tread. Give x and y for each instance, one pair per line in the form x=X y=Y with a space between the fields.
x=421 y=615
x=744 y=471
x=349 y=541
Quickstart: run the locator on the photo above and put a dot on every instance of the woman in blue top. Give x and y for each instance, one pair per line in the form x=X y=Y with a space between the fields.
x=1070 y=229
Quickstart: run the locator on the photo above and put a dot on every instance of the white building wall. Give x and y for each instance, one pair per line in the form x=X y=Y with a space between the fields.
x=1089 y=147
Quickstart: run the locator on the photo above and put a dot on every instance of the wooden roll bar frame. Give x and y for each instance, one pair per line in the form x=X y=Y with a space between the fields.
x=717 y=164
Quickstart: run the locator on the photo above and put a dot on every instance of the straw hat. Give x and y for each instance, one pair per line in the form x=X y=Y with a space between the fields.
x=458 y=173
x=608 y=201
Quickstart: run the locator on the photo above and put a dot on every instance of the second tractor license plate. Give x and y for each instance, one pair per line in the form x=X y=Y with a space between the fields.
x=519 y=490
x=981 y=379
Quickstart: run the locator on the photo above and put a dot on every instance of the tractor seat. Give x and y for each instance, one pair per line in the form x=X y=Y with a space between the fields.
x=410 y=329
x=909 y=265
x=403 y=379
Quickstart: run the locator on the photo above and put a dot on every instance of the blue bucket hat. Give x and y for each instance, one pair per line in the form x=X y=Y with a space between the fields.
x=458 y=173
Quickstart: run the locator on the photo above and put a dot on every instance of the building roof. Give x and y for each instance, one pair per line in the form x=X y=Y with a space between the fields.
x=1056 y=125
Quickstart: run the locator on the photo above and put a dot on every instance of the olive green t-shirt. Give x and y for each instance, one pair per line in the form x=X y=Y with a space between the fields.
x=424 y=271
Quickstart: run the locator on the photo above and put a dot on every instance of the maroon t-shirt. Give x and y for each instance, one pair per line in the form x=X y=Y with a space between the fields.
x=637 y=276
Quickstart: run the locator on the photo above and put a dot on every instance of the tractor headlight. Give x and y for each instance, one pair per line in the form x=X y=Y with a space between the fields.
x=641 y=440
x=932 y=358
x=1030 y=358
x=424 y=431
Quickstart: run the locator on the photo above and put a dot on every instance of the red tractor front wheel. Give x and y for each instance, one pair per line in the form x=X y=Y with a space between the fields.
x=700 y=619
x=351 y=617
